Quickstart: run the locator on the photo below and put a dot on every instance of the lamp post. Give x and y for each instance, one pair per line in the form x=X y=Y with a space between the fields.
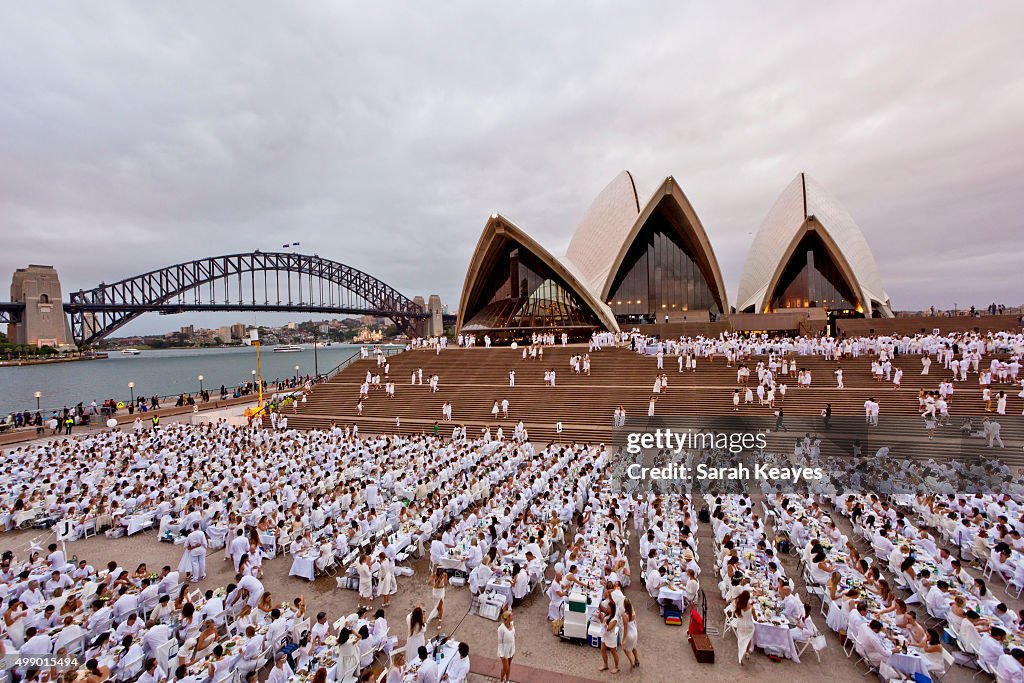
x=254 y=337
x=316 y=364
x=39 y=395
x=296 y=374
x=131 y=388
x=200 y=384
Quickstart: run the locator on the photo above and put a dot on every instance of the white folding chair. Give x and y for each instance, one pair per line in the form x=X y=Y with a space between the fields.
x=164 y=653
x=299 y=628
x=229 y=676
x=132 y=669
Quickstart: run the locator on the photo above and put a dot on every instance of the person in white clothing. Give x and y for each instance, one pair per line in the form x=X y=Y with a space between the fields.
x=196 y=545
x=456 y=670
x=281 y=673
x=1010 y=667
x=506 y=645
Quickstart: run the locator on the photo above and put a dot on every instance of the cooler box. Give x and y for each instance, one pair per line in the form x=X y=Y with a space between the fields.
x=492 y=606
x=574 y=625
x=594 y=635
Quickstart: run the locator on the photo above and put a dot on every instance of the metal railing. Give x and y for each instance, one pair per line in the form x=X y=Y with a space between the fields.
x=388 y=351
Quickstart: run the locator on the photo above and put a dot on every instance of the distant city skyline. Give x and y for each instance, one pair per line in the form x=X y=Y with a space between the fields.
x=381 y=139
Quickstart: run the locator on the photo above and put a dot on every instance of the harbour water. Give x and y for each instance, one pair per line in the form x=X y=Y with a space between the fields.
x=159 y=372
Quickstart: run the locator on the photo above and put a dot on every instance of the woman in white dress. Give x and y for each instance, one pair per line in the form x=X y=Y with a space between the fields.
x=14 y=622
x=348 y=654
x=388 y=585
x=610 y=637
x=743 y=624
x=630 y=637
x=506 y=645
x=417 y=633
x=438 y=582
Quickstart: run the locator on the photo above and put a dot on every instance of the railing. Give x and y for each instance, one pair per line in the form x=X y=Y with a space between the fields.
x=388 y=351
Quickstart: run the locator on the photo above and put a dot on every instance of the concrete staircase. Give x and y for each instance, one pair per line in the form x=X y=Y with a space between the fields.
x=473 y=379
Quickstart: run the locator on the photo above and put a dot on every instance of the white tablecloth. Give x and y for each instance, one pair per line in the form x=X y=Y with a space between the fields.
x=667 y=594
x=777 y=638
x=910 y=664
x=304 y=566
x=503 y=587
x=137 y=523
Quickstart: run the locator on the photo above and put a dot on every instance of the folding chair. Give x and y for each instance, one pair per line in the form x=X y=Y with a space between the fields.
x=131 y=670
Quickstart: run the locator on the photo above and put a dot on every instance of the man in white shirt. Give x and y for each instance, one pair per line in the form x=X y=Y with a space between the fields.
x=58 y=580
x=990 y=648
x=168 y=580
x=937 y=600
x=125 y=604
x=151 y=672
x=457 y=668
x=278 y=627
x=56 y=558
x=428 y=669
x=250 y=651
x=33 y=595
x=239 y=546
x=1010 y=668
x=156 y=636
x=792 y=605
x=36 y=643
x=870 y=639
x=70 y=633
x=196 y=544
x=100 y=619
x=320 y=630
x=281 y=673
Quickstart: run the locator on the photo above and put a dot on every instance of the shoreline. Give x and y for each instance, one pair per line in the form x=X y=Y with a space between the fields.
x=50 y=361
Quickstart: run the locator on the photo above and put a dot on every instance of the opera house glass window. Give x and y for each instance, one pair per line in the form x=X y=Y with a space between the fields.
x=521 y=291
x=660 y=276
x=813 y=279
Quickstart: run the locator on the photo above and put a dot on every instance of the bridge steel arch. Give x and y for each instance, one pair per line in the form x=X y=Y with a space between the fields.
x=229 y=283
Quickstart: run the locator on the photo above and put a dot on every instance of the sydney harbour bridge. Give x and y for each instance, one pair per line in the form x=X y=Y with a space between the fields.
x=256 y=281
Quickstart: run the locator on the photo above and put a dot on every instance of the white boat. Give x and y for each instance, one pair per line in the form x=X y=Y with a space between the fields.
x=288 y=348
x=130 y=352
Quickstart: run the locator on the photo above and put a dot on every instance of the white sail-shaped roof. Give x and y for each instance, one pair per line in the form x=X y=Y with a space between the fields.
x=803 y=206
x=605 y=226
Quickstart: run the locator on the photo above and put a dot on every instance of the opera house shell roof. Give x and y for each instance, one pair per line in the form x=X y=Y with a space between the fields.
x=631 y=262
x=805 y=212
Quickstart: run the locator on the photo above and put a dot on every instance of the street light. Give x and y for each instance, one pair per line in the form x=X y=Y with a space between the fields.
x=39 y=395
x=296 y=374
x=131 y=388
x=200 y=384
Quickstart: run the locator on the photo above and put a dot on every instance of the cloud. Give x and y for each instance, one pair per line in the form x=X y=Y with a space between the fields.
x=137 y=136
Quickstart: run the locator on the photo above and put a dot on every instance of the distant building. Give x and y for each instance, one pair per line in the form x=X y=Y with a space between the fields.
x=188 y=331
x=366 y=335
x=238 y=331
x=43 y=322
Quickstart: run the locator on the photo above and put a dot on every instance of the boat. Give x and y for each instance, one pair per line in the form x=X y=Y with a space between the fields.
x=288 y=348
x=130 y=352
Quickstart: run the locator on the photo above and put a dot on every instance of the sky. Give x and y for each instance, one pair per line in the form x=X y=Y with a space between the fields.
x=382 y=135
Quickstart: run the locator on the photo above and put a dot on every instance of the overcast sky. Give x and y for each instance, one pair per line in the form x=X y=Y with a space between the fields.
x=137 y=135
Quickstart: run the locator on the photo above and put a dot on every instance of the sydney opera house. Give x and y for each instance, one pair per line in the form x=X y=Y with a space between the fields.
x=633 y=263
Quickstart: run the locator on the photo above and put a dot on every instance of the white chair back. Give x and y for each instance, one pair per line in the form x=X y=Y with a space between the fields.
x=164 y=653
